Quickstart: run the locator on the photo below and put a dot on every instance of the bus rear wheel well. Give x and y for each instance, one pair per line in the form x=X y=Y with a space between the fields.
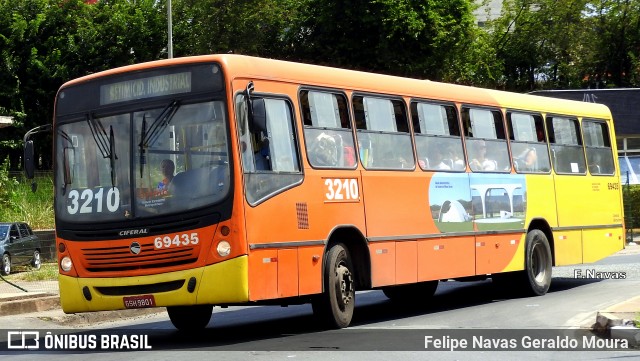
x=356 y=244
x=543 y=226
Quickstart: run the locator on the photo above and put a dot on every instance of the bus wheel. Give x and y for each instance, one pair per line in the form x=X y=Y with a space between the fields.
x=190 y=318
x=536 y=277
x=413 y=293
x=335 y=305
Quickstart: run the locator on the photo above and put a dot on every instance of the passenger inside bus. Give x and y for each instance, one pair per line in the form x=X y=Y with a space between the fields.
x=324 y=150
x=480 y=162
x=527 y=161
x=167 y=168
x=436 y=160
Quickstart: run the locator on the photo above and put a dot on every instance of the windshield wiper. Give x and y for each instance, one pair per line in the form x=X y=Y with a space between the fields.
x=147 y=139
x=99 y=135
x=106 y=144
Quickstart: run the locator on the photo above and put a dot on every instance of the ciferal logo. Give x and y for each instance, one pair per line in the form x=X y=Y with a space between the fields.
x=23 y=340
x=135 y=248
x=134 y=232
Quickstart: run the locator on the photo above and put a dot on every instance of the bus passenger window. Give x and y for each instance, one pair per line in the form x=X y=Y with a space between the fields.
x=567 y=154
x=383 y=133
x=598 y=147
x=528 y=144
x=327 y=130
x=437 y=135
x=486 y=142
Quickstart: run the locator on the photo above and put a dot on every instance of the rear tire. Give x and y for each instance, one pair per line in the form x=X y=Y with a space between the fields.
x=536 y=276
x=535 y=279
x=36 y=261
x=6 y=265
x=190 y=318
x=335 y=306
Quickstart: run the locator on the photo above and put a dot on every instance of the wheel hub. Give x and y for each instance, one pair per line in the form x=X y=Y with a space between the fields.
x=345 y=280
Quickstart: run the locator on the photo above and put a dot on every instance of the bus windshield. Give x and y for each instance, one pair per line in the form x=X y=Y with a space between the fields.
x=138 y=164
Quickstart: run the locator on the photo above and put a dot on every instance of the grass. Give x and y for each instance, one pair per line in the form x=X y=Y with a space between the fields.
x=47 y=272
x=26 y=206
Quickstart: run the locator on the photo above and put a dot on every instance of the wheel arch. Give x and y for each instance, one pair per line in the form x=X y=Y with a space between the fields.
x=356 y=244
x=541 y=224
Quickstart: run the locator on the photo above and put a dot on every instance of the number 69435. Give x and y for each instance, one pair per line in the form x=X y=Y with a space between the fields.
x=178 y=240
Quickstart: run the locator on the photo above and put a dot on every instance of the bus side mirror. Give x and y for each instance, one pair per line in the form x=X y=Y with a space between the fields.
x=258 y=114
x=29 y=162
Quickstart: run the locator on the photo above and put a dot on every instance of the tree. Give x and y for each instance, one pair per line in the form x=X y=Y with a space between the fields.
x=423 y=39
x=568 y=44
x=251 y=27
x=538 y=43
x=613 y=49
x=47 y=42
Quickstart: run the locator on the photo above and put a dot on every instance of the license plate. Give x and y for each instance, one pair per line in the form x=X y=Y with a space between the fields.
x=143 y=301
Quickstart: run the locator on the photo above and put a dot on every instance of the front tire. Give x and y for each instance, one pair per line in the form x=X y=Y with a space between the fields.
x=335 y=305
x=190 y=318
x=6 y=265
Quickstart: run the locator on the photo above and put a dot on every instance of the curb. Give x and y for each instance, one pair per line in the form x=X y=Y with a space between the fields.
x=29 y=303
x=36 y=304
x=617 y=322
x=92 y=318
x=612 y=326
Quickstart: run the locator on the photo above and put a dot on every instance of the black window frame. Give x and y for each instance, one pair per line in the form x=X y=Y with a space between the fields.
x=362 y=132
x=555 y=147
x=454 y=127
x=472 y=142
x=607 y=145
x=296 y=143
x=348 y=123
x=532 y=144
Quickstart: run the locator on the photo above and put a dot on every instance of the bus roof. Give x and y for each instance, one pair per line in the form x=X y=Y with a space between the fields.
x=241 y=66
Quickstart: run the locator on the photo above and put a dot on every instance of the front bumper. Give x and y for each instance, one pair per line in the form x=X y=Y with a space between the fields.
x=220 y=283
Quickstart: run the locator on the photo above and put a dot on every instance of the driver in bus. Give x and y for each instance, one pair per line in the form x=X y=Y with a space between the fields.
x=167 y=168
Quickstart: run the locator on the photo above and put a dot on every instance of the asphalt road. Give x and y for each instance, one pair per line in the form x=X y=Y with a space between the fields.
x=275 y=333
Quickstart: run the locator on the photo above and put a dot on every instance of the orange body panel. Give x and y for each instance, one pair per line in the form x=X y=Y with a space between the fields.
x=446 y=258
x=310 y=270
x=263 y=274
x=383 y=263
x=287 y=272
x=494 y=252
x=396 y=203
x=406 y=262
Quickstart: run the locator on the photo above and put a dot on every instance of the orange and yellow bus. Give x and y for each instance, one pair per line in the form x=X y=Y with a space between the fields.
x=226 y=180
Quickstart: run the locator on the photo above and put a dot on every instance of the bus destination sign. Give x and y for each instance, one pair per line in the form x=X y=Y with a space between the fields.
x=145 y=88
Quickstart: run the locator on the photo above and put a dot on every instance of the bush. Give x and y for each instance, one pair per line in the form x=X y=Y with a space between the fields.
x=7 y=189
x=19 y=203
x=631 y=200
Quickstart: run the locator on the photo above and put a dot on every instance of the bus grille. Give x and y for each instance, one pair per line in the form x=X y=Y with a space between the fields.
x=120 y=258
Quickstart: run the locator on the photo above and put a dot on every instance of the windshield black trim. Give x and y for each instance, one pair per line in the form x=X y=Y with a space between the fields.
x=86 y=95
x=220 y=210
x=184 y=221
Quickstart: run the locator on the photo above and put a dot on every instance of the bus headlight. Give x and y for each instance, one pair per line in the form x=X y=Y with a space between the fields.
x=66 y=264
x=224 y=248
